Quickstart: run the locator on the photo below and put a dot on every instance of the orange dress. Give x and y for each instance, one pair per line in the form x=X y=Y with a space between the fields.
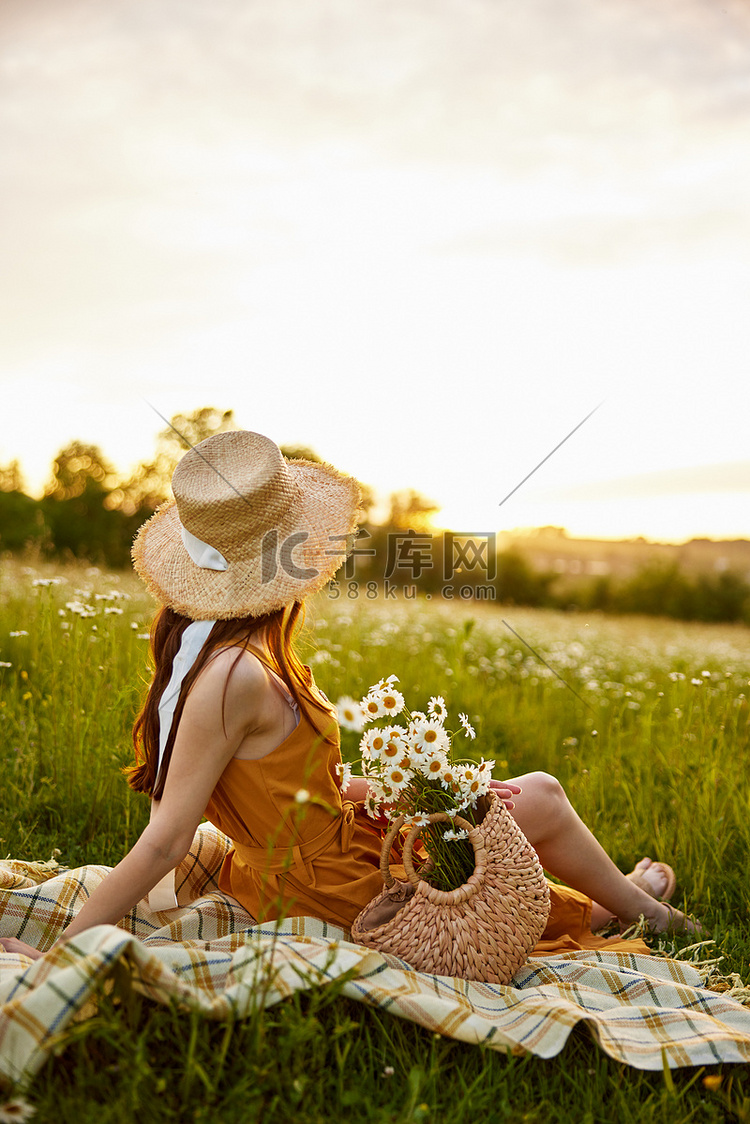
x=321 y=858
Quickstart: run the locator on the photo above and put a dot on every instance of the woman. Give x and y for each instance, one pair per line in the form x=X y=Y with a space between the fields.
x=234 y=728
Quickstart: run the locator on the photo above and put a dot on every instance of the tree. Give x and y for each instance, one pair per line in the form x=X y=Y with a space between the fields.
x=11 y=477
x=80 y=469
x=410 y=510
x=75 y=509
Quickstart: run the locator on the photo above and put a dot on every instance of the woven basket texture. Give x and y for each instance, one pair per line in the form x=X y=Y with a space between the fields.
x=483 y=930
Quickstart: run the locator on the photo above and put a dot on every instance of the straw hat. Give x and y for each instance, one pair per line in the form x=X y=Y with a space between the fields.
x=249 y=531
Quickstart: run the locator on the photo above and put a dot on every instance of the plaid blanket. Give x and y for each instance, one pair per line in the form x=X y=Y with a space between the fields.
x=640 y=1009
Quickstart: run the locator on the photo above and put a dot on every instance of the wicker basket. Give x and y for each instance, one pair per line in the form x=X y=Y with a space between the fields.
x=483 y=930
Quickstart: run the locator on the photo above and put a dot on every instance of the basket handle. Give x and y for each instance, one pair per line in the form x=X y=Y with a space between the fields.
x=438 y=897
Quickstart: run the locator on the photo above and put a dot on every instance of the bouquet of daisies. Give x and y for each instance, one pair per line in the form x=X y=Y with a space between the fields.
x=411 y=772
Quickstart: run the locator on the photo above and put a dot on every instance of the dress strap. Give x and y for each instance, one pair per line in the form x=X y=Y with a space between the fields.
x=281 y=686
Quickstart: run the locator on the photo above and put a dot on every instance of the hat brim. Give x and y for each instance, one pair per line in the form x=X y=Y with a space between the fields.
x=308 y=550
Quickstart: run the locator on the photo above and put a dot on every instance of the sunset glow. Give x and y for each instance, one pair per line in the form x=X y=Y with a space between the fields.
x=423 y=242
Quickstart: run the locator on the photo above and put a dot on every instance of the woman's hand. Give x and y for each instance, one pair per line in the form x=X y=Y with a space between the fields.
x=12 y=944
x=505 y=790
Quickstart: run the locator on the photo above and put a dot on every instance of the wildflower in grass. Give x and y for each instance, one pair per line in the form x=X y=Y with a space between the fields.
x=46 y=581
x=19 y=632
x=468 y=728
x=16 y=1109
x=113 y=609
x=4 y=663
x=80 y=609
x=301 y=796
x=697 y=682
x=350 y=714
x=436 y=708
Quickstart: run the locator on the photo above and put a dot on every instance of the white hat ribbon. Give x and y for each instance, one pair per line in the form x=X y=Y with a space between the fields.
x=205 y=556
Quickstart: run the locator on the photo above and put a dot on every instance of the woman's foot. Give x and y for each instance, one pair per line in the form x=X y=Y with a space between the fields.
x=656 y=879
x=663 y=918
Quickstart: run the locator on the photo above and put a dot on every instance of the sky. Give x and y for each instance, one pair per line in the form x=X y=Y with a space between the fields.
x=424 y=237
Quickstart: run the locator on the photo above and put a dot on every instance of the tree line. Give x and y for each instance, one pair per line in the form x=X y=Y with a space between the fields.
x=91 y=513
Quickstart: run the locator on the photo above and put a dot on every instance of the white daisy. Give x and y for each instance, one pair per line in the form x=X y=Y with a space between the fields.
x=395 y=748
x=420 y=820
x=372 y=745
x=437 y=708
x=471 y=784
x=429 y=734
x=392 y=701
x=449 y=779
x=372 y=804
x=468 y=728
x=350 y=714
x=371 y=704
x=344 y=770
x=396 y=778
x=451 y=834
x=434 y=764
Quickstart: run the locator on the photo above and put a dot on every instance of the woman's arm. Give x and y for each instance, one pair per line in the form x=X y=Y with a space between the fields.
x=203 y=747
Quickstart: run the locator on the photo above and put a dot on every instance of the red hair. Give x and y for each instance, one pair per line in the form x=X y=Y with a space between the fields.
x=166 y=637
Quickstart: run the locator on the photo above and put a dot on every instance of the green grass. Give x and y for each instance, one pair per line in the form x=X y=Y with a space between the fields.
x=655 y=763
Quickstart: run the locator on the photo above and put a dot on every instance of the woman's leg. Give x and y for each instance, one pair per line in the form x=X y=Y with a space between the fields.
x=569 y=851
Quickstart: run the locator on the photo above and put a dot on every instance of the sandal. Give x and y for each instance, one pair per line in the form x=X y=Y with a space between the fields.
x=643 y=884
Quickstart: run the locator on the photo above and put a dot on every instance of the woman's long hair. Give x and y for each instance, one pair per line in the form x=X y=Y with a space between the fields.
x=166 y=637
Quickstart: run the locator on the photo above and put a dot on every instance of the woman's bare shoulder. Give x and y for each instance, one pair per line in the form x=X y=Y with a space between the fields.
x=233 y=677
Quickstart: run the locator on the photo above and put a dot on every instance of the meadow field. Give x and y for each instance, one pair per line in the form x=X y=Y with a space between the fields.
x=651 y=744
